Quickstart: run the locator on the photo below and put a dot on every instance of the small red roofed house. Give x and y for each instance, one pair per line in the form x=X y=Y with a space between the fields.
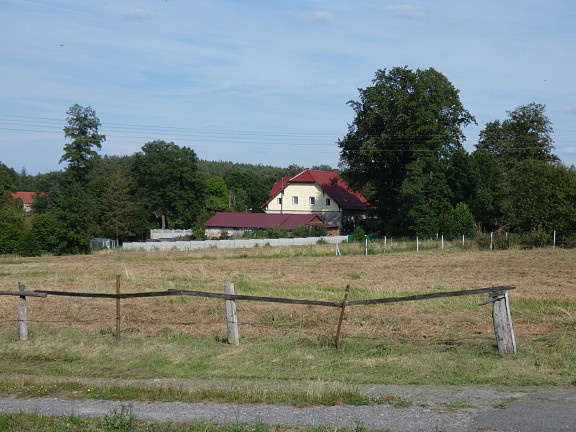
x=27 y=199
x=322 y=193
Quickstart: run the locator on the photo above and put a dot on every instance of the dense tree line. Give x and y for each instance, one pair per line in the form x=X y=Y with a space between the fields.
x=162 y=186
x=404 y=152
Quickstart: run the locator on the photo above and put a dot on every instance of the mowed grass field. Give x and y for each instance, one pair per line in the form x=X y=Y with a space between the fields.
x=434 y=342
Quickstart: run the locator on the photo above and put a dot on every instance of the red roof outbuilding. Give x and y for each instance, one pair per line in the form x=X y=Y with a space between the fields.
x=263 y=220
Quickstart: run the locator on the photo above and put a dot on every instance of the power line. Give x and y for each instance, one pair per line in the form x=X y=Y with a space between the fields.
x=30 y=124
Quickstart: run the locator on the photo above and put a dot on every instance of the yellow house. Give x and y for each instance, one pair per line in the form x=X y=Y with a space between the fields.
x=319 y=192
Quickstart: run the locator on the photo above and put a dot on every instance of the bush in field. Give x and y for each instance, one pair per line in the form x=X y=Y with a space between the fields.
x=359 y=235
x=535 y=239
x=461 y=222
x=500 y=241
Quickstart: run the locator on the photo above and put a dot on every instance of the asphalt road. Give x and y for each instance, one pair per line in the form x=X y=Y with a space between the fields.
x=432 y=409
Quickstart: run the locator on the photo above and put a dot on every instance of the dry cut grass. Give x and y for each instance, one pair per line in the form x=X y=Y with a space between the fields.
x=542 y=303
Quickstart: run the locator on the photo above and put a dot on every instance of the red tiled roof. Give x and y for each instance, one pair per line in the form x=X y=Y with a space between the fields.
x=26 y=197
x=263 y=220
x=330 y=183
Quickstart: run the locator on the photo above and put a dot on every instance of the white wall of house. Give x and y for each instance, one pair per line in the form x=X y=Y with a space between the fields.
x=302 y=198
x=307 y=198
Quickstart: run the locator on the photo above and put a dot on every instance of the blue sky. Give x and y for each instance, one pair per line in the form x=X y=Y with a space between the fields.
x=263 y=81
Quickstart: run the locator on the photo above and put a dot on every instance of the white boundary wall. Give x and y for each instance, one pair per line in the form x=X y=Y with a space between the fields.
x=229 y=244
x=157 y=234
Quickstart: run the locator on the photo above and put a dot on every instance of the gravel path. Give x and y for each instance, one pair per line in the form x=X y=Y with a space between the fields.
x=433 y=409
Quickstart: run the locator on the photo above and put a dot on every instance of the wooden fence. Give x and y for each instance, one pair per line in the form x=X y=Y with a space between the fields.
x=501 y=316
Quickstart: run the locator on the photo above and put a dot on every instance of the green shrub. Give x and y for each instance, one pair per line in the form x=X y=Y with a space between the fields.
x=319 y=231
x=27 y=245
x=198 y=234
x=535 y=239
x=461 y=222
x=301 y=231
x=359 y=235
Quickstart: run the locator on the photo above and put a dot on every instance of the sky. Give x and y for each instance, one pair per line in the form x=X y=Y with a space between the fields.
x=262 y=81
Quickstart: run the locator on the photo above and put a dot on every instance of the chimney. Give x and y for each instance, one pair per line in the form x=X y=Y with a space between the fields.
x=335 y=173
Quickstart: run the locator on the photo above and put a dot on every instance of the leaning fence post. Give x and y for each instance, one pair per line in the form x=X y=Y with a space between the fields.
x=231 y=317
x=344 y=303
x=22 y=320
x=503 y=323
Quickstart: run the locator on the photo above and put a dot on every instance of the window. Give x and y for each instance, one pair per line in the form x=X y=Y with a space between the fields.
x=327 y=202
x=279 y=201
x=295 y=200
x=312 y=201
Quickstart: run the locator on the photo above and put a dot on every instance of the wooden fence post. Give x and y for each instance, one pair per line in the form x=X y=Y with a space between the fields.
x=22 y=320
x=231 y=317
x=503 y=323
x=344 y=303
x=118 y=308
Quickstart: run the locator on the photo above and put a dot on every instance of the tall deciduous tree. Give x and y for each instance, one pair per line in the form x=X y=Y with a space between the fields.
x=169 y=184
x=82 y=130
x=247 y=191
x=76 y=209
x=406 y=126
x=525 y=134
x=484 y=201
x=540 y=195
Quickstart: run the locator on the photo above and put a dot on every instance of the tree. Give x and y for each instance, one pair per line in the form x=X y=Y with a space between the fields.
x=540 y=196
x=76 y=209
x=484 y=201
x=169 y=184
x=6 y=185
x=406 y=127
x=11 y=228
x=247 y=190
x=461 y=222
x=525 y=134
x=45 y=230
x=217 y=191
x=82 y=129
x=118 y=207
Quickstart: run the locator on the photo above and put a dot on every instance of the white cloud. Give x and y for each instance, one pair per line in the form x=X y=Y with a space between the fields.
x=570 y=109
x=569 y=150
x=138 y=14
x=406 y=11
x=320 y=17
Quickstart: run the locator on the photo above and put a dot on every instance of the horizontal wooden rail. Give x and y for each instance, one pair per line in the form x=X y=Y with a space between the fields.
x=23 y=293
x=174 y=292
x=493 y=289
x=257 y=298
x=111 y=296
